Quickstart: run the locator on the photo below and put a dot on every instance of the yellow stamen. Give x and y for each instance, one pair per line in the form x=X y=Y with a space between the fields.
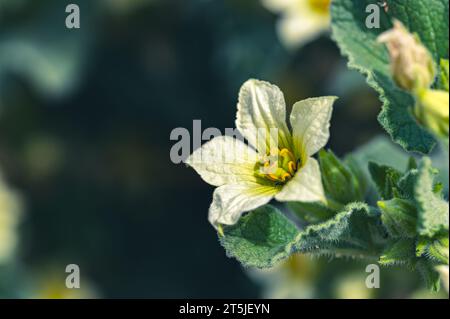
x=320 y=6
x=285 y=152
x=285 y=176
x=275 y=178
x=292 y=167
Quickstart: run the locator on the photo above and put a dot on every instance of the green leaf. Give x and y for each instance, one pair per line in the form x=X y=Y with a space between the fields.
x=434 y=249
x=399 y=216
x=433 y=211
x=356 y=232
x=264 y=236
x=412 y=163
x=339 y=182
x=429 y=275
x=385 y=179
x=382 y=151
x=311 y=213
x=399 y=252
x=407 y=184
x=260 y=238
x=427 y=18
x=358 y=171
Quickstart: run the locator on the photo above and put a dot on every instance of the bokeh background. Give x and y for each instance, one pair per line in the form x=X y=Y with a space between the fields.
x=85 y=120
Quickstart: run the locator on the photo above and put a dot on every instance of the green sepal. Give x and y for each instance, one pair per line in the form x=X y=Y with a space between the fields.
x=385 y=179
x=339 y=180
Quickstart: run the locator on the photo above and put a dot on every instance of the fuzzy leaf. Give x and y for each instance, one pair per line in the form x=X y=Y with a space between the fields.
x=356 y=231
x=382 y=151
x=433 y=211
x=434 y=249
x=399 y=252
x=311 y=213
x=429 y=275
x=427 y=18
x=385 y=179
x=399 y=216
x=339 y=181
x=260 y=238
x=264 y=236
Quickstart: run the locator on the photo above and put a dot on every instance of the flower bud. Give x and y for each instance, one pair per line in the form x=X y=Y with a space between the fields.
x=341 y=182
x=432 y=110
x=411 y=63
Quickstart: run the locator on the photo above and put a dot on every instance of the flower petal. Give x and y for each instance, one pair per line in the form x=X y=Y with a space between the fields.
x=310 y=120
x=278 y=5
x=305 y=186
x=224 y=160
x=261 y=108
x=298 y=27
x=231 y=201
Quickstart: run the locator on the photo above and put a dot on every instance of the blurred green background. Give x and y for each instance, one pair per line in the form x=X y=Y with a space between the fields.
x=85 y=119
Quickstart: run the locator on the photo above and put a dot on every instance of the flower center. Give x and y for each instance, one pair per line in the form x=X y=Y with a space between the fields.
x=278 y=167
x=320 y=6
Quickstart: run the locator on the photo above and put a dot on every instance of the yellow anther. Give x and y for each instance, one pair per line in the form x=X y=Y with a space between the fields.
x=274 y=177
x=279 y=169
x=287 y=153
x=285 y=177
x=292 y=168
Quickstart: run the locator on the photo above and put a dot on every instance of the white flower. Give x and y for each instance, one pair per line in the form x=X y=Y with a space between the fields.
x=279 y=166
x=9 y=218
x=301 y=20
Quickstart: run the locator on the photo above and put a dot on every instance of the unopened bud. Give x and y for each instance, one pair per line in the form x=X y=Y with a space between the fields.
x=411 y=63
x=432 y=110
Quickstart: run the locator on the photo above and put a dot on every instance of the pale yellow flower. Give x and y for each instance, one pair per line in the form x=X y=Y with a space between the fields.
x=51 y=285
x=432 y=110
x=301 y=21
x=277 y=165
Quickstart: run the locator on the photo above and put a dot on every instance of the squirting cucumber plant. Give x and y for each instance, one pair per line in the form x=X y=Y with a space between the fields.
x=360 y=206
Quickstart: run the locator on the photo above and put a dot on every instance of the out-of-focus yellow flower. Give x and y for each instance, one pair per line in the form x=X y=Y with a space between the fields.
x=52 y=285
x=9 y=219
x=411 y=63
x=301 y=20
x=352 y=286
x=292 y=279
x=432 y=110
